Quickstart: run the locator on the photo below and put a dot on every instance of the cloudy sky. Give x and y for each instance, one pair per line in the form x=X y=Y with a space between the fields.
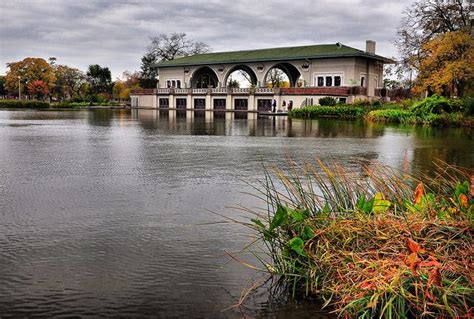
x=115 y=33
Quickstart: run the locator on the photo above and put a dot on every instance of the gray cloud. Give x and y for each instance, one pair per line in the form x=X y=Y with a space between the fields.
x=116 y=33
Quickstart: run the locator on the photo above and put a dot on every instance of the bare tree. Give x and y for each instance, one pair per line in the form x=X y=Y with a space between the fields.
x=167 y=47
x=275 y=78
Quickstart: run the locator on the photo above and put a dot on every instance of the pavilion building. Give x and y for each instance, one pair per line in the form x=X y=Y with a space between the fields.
x=200 y=82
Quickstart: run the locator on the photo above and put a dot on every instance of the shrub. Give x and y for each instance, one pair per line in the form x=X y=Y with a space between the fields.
x=433 y=105
x=327 y=101
x=343 y=111
x=361 y=102
x=28 y=104
x=392 y=116
x=370 y=244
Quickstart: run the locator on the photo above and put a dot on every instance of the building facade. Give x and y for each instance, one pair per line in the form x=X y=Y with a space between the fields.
x=200 y=82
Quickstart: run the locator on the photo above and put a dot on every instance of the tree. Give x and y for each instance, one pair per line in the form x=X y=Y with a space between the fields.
x=447 y=64
x=276 y=79
x=99 y=78
x=122 y=88
x=424 y=20
x=38 y=89
x=3 y=88
x=70 y=82
x=167 y=47
x=149 y=73
x=29 y=70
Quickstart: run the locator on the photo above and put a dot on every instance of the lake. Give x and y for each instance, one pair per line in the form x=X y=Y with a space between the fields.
x=111 y=212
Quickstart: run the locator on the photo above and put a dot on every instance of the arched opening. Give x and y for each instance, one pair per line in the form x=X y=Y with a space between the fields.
x=240 y=76
x=282 y=75
x=204 y=78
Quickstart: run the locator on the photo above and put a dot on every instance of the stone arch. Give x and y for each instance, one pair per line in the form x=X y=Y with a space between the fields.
x=203 y=78
x=245 y=68
x=289 y=69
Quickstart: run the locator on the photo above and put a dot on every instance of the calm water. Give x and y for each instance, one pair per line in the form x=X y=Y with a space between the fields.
x=107 y=212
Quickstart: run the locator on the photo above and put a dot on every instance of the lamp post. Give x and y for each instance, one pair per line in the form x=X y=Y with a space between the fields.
x=19 y=88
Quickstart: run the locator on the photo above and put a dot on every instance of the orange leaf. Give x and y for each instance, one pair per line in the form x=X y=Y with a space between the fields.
x=464 y=201
x=419 y=191
x=413 y=246
x=413 y=262
x=435 y=277
x=431 y=262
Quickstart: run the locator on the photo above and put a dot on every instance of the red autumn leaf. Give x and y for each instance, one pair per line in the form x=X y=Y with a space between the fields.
x=368 y=286
x=413 y=261
x=419 y=191
x=413 y=247
x=435 y=277
x=464 y=201
x=430 y=262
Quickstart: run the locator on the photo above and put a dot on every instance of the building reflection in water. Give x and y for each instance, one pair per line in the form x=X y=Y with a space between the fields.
x=185 y=122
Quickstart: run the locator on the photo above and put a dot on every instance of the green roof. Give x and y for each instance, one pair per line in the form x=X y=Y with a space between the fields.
x=274 y=54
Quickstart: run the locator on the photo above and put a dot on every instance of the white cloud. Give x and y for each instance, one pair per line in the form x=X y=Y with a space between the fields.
x=116 y=33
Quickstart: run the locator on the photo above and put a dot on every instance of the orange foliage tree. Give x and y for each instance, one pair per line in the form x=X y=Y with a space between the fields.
x=447 y=64
x=29 y=70
x=38 y=89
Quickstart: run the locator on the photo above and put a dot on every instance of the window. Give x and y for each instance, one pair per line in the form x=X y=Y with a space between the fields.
x=163 y=103
x=342 y=100
x=173 y=83
x=181 y=103
x=334 y=79
x=362 y=81
x=328 y=80
x=320 y=81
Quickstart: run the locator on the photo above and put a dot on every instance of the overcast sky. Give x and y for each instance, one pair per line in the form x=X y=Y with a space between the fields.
x=115 y=33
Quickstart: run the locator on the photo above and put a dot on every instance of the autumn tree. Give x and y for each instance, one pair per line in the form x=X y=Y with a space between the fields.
x=70 y=82
x=424 y=20
x=27 y=71
x=122 y=88
x=447 y=64
x=99 y=78
x=38 y=89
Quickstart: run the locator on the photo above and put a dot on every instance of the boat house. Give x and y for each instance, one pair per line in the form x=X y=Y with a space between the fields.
x=200 y=82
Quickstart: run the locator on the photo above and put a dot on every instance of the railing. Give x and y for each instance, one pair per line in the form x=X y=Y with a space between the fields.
x=163 y=91
x=264 y=90
x=329 y=91
x=143 y=91
x=181 y=91
x=332 y=91
x=199 y=91
x=219 y=90
x=241 y=90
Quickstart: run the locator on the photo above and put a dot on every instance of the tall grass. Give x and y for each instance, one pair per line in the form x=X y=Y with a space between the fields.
x=375 y=242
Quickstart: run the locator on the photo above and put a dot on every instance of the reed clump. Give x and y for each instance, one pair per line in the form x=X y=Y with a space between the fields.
x=372 y=243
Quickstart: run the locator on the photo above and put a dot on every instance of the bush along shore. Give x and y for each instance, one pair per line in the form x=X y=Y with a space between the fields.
x=434 y=110
x=34 y=104
x=376 y=243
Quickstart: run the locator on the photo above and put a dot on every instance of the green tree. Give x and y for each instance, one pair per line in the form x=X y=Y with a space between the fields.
x=29 y=70
x=149 y=73
x=3 y=87
x=99 y=78
x=70 y=82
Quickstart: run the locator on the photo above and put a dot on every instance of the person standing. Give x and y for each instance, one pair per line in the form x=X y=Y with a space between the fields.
x=274 y=105
x=290 y=106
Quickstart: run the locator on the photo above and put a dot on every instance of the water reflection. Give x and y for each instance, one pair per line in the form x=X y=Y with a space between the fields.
x=103 y=211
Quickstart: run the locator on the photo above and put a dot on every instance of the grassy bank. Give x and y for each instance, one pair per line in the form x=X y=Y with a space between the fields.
x=33 y=104
x=372 y=243
x=27 y=104
x=435 y=110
